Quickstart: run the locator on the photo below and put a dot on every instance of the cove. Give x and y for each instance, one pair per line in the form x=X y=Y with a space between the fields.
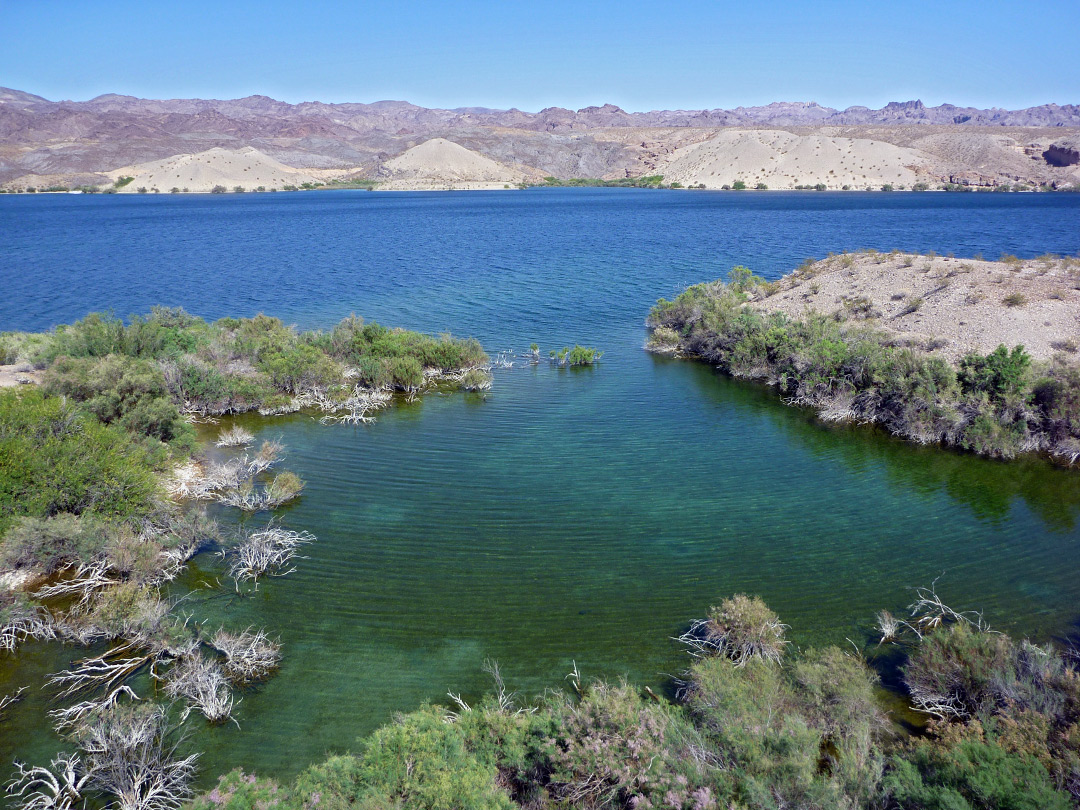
x=573 y=514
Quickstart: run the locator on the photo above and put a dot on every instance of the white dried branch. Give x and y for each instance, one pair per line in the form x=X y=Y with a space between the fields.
x=58 y=787
x=129 y=756
x=266 y=552
x=68 y=718
x=105 y=672
x=31 y=621
x=249 y=656
x=200 y=682
x=235 y=436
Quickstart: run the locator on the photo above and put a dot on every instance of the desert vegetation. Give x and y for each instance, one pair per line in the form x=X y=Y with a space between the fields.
x=149 y=374
x=748 y=724
x=999 y=404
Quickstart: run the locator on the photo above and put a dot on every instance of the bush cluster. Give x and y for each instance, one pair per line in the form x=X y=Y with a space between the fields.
x=807 y=734
x=998 y=404
x=141 y=374
x=55 y=459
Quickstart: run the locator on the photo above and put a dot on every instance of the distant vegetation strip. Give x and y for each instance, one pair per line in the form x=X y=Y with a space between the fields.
x=999 y=404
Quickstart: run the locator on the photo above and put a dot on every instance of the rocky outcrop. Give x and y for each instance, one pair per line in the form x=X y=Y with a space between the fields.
x=1063 y=153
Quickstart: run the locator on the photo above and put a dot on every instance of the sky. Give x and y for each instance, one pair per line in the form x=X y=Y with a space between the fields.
x=514 y=53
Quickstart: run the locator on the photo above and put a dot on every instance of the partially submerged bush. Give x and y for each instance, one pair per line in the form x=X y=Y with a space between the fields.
x=741 y=628
x=577 y=356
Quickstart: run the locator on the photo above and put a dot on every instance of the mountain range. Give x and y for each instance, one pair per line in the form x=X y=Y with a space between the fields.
x=83 y=139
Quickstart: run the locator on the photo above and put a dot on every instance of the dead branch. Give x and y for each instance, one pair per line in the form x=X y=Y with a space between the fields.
x=930 y=612
x=72 y=716
x=10 y=700
x=249 y=656
x=130 y=756
x=235 y=436
x=88 y=580
x=266 y=552
x=58 y=787
x=355 y=409
x=105 y=672
x=23 y=622
x=200 y=682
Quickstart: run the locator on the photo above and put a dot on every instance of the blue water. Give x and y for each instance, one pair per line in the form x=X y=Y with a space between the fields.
x=570 y=515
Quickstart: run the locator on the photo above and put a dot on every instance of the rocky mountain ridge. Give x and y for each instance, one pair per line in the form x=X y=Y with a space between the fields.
x=86 y=139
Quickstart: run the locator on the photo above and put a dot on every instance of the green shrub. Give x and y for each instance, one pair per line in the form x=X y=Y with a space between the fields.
x=1001 y=375
x=300 y=368
x=116 y=389
x=54 y=459
x=971 y=775
x=423 y=762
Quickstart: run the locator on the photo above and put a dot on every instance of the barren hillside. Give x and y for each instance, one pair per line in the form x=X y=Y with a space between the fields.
x=949 y=306
x=48 y=143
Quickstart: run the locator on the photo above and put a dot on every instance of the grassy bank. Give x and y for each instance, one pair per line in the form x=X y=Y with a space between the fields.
x=998 y=404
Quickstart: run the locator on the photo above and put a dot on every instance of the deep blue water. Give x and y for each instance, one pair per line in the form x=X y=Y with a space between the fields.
x=570 y=515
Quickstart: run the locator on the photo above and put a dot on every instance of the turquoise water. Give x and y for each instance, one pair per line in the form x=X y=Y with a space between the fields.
x=571 y=514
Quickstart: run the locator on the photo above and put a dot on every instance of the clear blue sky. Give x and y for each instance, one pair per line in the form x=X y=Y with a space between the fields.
x=641 y=56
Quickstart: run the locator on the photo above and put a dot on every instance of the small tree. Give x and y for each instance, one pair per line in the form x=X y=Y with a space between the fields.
x=738 y=185
x=218 y=190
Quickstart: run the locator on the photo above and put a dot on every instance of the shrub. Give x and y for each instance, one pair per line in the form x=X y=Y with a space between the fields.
x=116 y=389
x=54 y=459
x=218 y=190
x=971 y=774
x=738 y=185
x=1001 y=375
x=419 y=761
x=744 y=627
x=48 y=544
x=1014 y=300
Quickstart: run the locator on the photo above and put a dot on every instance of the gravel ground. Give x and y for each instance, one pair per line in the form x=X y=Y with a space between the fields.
x=945 y=305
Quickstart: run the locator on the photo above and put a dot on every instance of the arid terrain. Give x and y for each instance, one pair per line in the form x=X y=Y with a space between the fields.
x=945 y=305
x=47 y=144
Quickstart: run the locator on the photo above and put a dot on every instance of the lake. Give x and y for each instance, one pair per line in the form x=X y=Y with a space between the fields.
x=570 y=515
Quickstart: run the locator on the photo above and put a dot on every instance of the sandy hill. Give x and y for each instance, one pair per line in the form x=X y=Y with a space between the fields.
x=247 y=167
x=439 y=163
x=949 y=306
x=782 y=159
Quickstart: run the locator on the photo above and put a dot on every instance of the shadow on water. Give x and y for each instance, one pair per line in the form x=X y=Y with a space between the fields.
x=989 y=488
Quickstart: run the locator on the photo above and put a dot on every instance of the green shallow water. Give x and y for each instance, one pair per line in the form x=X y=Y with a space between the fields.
x=588 y=515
